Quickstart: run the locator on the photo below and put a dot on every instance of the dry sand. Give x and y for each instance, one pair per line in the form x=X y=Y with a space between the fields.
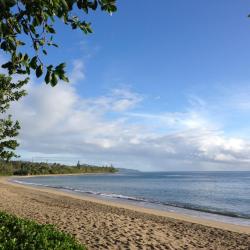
x=106 y=225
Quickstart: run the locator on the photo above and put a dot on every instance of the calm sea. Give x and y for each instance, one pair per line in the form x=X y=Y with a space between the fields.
x=222 y=196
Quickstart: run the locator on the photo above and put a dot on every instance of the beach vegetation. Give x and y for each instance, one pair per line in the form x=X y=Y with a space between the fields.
x=43 y=168
x=22 y=234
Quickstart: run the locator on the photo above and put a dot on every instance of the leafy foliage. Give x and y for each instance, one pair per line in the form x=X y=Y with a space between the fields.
x=20 y=234
x=35 y=19
x=9 y=92
x=34 y=168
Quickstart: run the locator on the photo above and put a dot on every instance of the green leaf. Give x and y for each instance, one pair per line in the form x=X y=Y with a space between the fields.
x=32 y=28
x=17 y=27
x=25 y=57
x=20 y=71
x=48 y=77
x=4 y=45
x=36 y=45
x=33 y=62
x=50 y=67
x=39 y=70
x=65 y=5
x=41 y=42
x=7 y=65
x=79 y=4
x=25 y=29
x=50 y=29
x=28 y=69
x=93 y=5
x=64 y=78
x=61 y=66
x=54 y=80
x=11 y=3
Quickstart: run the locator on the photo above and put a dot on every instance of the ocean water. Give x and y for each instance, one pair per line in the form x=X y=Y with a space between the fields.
x=221 y=196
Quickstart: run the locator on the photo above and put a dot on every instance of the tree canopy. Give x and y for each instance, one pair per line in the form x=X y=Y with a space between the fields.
x=36 y=19
x=9 y=92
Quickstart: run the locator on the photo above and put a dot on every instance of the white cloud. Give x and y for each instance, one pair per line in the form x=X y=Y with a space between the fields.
x=77 y=72
x=59 y=123
x=118 y=100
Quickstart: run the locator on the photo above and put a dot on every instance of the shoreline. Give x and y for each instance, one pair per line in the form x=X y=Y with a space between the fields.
x=188 y=213
x=139 y=203
x=102 y=224
x=167 y=214
x=44 y=175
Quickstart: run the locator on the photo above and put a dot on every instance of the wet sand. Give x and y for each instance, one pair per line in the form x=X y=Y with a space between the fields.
x=103 y=224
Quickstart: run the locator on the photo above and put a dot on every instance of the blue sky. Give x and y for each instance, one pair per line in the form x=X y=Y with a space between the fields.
x=173 y=46
x=162 y=86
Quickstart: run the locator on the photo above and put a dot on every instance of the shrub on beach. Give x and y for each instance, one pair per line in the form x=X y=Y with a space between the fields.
x=20 y=234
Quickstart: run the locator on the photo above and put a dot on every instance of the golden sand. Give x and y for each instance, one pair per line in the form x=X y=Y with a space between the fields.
x=103 y=224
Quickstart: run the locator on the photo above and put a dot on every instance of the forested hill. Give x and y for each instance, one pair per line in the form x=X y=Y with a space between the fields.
x=35 y=168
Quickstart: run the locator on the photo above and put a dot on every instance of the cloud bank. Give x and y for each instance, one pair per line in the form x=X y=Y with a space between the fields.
x=59 y=124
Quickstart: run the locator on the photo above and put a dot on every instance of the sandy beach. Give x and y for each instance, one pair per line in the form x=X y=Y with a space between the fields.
x=102 y=224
